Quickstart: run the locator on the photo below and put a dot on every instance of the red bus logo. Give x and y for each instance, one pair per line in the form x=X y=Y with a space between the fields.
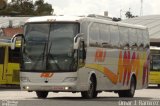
x=100 y=55
x=46 y=75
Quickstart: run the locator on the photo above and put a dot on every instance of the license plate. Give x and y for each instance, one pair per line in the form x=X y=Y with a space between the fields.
x=58 y=88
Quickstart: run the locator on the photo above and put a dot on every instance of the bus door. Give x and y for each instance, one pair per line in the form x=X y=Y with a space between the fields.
x=13 y=66
x=2 y=66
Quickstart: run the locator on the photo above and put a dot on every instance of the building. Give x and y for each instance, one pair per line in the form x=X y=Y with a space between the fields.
x=153 y=24
x=11 y=25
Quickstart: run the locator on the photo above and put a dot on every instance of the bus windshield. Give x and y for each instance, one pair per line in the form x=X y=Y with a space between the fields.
x=155 y=62
x=49 y=46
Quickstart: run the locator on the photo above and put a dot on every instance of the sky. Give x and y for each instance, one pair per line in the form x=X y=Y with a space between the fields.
x=85 y=7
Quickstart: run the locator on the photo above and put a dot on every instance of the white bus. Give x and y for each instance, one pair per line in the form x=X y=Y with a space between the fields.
x=83 y=54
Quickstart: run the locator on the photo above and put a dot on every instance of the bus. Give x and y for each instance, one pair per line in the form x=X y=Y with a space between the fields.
x=9 y=62
x=154 y=76
x=83 y=54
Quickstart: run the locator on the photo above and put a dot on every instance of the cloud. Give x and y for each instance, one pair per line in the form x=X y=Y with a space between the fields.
x=154 y=7
x=80 y=7
x=84 y=7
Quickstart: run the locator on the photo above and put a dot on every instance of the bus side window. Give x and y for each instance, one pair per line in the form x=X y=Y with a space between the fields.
x=94 y=34
x=140 y=38
x=2 y=50
x=82 y=52
x=132 y=37
x=104 y=36
x=123 y=37
x=146 y=39
x=114 y=36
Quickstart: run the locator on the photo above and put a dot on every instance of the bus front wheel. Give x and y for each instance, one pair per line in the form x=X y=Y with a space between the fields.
x=91 y=93
x=42 y=94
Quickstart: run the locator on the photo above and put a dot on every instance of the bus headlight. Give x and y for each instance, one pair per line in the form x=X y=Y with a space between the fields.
x=24 y=79
x=66 y=88
x=70 y=79
x=26 y=87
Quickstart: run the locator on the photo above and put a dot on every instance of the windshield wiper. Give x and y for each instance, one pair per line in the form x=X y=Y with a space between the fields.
x=52 y=57
x=41 y=56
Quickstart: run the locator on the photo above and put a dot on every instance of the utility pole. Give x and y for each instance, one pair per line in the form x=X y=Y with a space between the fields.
x=141 y=10
x=121 y=13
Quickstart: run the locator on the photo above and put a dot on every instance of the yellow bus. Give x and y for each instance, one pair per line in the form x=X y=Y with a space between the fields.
x=154 y=77
x=9 y=63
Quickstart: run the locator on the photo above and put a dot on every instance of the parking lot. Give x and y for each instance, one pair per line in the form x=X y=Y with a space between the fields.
x=15 y=97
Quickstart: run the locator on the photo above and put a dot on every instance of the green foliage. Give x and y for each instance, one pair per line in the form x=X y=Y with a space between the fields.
x=43 y=8
x=3 y=4
x=129 y=15
x=27 y=7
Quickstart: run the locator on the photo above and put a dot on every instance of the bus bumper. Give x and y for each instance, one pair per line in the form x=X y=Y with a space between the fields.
x=69 y=87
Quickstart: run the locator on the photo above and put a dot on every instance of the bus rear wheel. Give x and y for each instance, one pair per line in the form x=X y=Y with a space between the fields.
x=91 y=93
x=42 y=94
x=131 y=91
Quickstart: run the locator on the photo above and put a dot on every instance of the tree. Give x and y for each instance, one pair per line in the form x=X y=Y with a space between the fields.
x=27 y=7
x=43 y=8
x=21 y=7
x=3 y=4
x=128 y=14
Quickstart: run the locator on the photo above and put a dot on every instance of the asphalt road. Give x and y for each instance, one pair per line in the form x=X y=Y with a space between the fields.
x=15 y=97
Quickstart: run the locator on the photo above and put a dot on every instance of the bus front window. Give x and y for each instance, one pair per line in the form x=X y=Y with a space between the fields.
x=50 y=46
x=36 y=36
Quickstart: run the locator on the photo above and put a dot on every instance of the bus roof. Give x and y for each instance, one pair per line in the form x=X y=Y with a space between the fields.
x=79 y=19
x=54 y=18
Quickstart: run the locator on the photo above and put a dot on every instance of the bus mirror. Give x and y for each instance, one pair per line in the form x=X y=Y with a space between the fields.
x=77 y=40
x=14 y=39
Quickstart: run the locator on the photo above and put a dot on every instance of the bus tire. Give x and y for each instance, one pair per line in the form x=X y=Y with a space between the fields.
x=158 y=85
x=42 y=94
x=131 y=91
x=91 y=93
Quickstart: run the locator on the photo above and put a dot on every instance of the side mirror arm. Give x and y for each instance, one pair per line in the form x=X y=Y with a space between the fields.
x=77 y=40
x=14 y=39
